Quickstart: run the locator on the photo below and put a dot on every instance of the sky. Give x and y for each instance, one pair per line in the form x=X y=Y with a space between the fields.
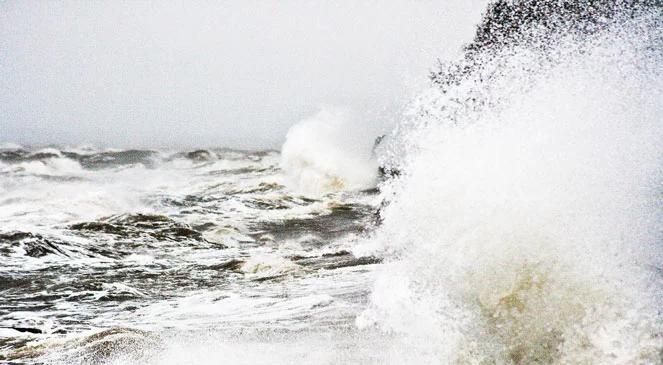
x=214 y=73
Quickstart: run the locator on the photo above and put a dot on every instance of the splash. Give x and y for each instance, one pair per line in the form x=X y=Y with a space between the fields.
x=322 y=154
x=525 y=227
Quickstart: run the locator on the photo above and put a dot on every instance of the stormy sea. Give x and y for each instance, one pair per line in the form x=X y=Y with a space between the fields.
x=513 y=216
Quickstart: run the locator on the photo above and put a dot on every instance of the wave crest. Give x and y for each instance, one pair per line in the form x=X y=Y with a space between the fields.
x=321 y=155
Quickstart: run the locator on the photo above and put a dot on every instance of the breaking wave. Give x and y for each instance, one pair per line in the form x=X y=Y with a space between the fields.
x=525 y=226
x=320 y=155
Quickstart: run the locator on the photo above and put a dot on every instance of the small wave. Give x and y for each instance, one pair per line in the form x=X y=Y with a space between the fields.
x=101 y=160
x=132 y=226
x=33 y=245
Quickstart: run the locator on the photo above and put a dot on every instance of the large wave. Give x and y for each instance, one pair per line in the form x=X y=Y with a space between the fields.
x=525 y=226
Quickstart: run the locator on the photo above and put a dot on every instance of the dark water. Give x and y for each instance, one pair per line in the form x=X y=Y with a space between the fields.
x=118 y=240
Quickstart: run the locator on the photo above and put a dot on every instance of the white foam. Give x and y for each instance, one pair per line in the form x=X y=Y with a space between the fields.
x=530 y=232
x=268 y=265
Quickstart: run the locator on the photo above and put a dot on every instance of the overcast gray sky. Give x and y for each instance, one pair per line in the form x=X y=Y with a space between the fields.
x=212 y=73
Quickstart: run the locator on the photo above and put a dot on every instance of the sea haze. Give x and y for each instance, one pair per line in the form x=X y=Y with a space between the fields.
x=231 y=74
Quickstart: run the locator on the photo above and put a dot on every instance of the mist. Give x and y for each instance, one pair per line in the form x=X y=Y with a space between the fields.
x=233 y=74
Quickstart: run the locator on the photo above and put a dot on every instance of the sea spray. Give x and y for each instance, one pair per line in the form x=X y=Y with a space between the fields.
x=526 y=224
x=324 y=154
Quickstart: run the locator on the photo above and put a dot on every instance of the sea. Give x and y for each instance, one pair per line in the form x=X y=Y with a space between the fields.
x=514 y=215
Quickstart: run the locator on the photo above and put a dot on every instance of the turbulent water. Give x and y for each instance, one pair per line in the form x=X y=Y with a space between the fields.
x=177 y=244
x=517 y=220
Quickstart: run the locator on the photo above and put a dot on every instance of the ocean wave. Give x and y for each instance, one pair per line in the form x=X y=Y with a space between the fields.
x=320 y=155
x=525 y=227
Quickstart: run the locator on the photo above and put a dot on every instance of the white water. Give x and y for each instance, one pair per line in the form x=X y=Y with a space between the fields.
x=531 y=231
x=327 y=153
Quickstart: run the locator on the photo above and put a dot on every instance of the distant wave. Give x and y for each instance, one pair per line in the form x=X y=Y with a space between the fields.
x=320 y=155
